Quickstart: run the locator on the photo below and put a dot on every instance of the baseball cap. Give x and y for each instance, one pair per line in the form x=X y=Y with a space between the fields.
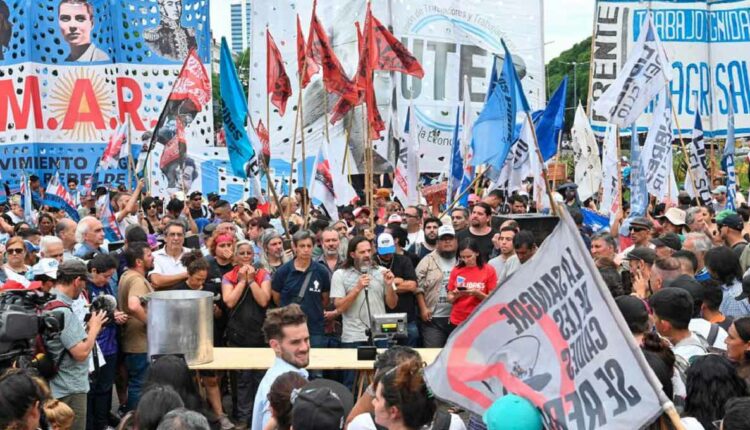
x=15 y=285
x=213 y=196
x=362 y=209
x=672 y=304
x=721 y=189
x=196 y=194
x=45 y=267
x=72 y=267
x=395 y=218
x=670 y=240
x=634 y=310
x=675 y=216
x=730 y=219
x=643 y=253
x=641 y=222
x=446 y=230
x=319 y=408
x=512 y=412
x=386 y=244
x=689 y=284
x=745 y=289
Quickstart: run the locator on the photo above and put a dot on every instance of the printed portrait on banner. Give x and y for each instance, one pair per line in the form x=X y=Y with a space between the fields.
x=75 y=72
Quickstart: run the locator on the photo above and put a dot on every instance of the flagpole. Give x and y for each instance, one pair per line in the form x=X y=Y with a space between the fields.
x=130 y=157
x=684 y=153
x=294 y=139
x=477 y=178
x=619 y=171
x=552 y=203
x=557 y=156
x=306 y=196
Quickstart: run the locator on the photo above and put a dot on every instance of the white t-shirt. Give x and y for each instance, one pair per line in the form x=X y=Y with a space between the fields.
x=166 y=265
x=703 y=328
x=416 y=237
x=365 y=422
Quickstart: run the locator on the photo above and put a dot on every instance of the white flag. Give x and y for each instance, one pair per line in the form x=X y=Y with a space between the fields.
x=644 y=74
x=553 y=335
x=588 y=167
x=610 y=169
x=656 y=156
x=328 y=185
x=698 y=165
x=517 y=166
x=406 y=175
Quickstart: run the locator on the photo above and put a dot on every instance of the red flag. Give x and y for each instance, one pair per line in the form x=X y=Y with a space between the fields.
x=319 y=50
x=304 y=62
x=193 y=82
x=277 y=80
x=262 y=133
x=176 y=147
x=386 y=52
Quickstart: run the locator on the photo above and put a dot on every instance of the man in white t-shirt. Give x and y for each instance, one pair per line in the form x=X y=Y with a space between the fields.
x=168 y=269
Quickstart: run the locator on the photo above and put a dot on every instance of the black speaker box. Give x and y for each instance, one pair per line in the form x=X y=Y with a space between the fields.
x=540 y=225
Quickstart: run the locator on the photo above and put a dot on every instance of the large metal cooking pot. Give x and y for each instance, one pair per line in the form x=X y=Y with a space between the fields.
x=181 y=322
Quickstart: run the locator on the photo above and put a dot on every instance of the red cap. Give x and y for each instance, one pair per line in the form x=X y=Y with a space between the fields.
x=15 y=285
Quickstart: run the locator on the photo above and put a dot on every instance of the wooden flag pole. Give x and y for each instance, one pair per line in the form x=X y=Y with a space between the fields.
x=557 y=157
x=619 y=170
x=685 y=154
x=306 y=198
x=294 y=138
x=130 y=158
x=468 y=189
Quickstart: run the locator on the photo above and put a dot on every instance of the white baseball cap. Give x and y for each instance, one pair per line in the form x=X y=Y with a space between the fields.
x=446 y=230
x=47 y=267
x=386 y=244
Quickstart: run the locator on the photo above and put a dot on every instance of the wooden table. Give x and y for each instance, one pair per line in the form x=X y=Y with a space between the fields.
x=320 y=359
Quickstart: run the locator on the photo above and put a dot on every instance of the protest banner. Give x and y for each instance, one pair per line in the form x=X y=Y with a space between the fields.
x=656 y=156
x=450 y=39
x=63 y=91
x=698 y=166
x=551 y=333
x=707 y=43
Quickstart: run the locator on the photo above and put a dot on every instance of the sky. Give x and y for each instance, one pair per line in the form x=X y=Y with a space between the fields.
x=559 y=34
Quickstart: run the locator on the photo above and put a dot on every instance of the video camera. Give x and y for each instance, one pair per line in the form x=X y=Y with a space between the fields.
x=22 y=319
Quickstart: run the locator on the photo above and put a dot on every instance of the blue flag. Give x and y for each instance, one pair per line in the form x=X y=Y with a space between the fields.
x=551 y=123
x=495 y=130
x=595 y=220
x=457 y=162
x=3 y=194
x=493 y=79
x=234 y=114
x=727 y=158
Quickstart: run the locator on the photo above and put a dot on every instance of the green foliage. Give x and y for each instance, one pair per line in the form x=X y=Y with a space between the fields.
x=242 y=63
x=558 y=67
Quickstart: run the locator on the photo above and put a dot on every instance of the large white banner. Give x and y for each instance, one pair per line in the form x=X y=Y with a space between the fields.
x=551 y=334
x=450 y=38
x=708 y=44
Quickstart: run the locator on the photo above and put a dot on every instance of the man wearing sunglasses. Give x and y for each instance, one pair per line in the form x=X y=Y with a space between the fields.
x=640 y=234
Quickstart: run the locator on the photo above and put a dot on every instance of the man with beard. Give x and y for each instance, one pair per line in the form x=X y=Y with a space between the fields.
x=348 y=292
x=273 y=251
x=285 y=330
x=480 y=228
x=405 y=283
x=132 y=288
x=421 y=249
x=330 y=241
x=504 y=264
x=433 y=273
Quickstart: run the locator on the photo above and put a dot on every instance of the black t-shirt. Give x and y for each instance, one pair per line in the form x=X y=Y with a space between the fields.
x=402 y=267
x=201 y=212
x=484 y=242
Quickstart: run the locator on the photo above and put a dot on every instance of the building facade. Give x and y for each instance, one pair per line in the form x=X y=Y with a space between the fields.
x=240 y=13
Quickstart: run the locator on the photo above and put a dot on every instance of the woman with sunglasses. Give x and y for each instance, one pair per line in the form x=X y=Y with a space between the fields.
x=246 y=291
x=16 y=268
x=470 y=281
x=151 y=210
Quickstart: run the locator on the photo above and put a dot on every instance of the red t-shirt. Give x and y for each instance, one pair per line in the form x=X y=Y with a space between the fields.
x=474 y=278
x=231 y=276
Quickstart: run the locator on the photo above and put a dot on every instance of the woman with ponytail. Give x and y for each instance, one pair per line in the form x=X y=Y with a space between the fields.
x=402 y=400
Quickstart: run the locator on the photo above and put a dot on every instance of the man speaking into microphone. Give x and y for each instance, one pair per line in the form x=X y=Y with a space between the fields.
x=360 y=290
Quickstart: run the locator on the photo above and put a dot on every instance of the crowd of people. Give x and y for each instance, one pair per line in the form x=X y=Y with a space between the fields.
x=292 y=279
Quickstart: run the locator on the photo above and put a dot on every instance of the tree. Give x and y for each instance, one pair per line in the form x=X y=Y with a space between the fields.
x=562 y=65
x=242 y=63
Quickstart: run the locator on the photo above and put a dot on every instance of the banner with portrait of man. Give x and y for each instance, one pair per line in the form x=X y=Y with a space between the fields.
x=72 y=72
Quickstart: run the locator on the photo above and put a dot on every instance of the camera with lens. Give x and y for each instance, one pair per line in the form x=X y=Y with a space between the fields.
x=23 y=319
x=105 y=303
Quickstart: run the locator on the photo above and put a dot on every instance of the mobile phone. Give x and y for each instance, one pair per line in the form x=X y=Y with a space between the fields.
x=461 y=288
x=287 y=244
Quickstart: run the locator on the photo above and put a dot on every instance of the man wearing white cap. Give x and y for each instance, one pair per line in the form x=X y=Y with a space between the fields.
x=433 y=273
x=720 y=198
x=673 y=220
x=405 y=283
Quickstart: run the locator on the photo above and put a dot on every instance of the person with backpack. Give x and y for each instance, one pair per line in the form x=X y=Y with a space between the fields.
x=70 y=351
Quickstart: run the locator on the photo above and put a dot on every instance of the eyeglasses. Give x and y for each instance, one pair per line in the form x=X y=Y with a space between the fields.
x=13 y=251
x=152 y=207
x=196 y=199
x=638 y=229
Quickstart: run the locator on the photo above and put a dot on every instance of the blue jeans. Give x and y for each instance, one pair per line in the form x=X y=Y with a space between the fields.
x=137 y=365
x=349 y=376
x=317 y=341
x=412 y=331
x=100 y=395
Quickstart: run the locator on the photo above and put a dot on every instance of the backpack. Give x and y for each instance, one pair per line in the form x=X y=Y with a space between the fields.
x=682 y=364
x=47 y=365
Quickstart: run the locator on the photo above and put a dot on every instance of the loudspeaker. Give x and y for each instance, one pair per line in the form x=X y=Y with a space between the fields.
x=539 y=224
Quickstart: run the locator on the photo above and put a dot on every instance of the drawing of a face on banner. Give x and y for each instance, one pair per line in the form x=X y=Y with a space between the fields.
x=170 y=39
x=76 y=20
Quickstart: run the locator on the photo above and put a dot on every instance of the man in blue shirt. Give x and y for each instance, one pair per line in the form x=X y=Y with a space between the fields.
x=286 y=332
x=303 y=271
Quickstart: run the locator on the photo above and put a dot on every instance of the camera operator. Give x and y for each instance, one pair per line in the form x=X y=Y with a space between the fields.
x=73 y=346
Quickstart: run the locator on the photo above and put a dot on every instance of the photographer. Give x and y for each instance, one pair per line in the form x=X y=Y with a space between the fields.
x=101 y=269
x=72 y=348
